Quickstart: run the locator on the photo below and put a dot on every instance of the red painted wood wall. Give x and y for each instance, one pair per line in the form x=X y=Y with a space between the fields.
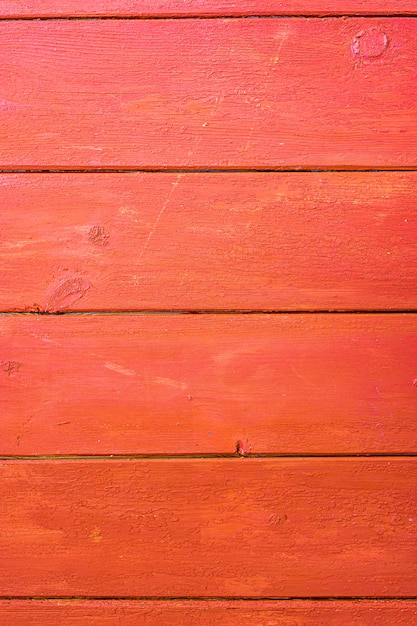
x=208 y=364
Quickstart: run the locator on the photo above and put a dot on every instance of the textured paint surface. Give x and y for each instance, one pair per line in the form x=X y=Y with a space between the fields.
x=208 y=241
x=46 y=8
x=208 y=613
x=250 y=93
x=204 y=537
x=215 y=528
x=175 y=384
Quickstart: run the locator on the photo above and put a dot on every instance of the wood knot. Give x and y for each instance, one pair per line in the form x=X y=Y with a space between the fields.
x=370 y=43
x=99 y=235
x=67 y=293
x=10 y=367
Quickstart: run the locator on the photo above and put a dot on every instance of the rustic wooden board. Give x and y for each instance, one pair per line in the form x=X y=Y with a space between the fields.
x=239 y=93
x=65 y=8
x=214 y=528
x=199 y=384
x=208 y=241
x=208 y=613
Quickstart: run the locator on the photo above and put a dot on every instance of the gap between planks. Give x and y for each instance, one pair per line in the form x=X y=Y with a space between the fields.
x=212 y=312
x=228 y=170
x=213 y=599
x=225 y=16
x=201 y=457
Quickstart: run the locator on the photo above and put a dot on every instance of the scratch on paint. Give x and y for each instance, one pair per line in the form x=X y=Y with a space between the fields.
x=282 y=39
x=297 y=373
x=384 y=403
x=161 y=212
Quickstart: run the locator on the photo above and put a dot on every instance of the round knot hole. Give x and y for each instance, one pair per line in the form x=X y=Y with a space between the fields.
x=370 y=43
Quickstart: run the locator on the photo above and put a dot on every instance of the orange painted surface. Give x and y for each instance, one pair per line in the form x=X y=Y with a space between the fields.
x=167 y=8
x=249 y=93
x=208 y=613
x=264 y=241
x=214 y=528
x=174 y=384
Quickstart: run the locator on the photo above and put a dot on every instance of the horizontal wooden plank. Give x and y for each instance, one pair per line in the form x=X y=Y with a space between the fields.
x=264 y=93
x=311 y=241
x=208 y=613
x=143 y=8
x=214 y=528
x=203 y=384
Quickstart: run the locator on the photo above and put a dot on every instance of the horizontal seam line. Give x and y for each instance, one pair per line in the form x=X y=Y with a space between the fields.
x=168 y=170
x=150 y=457
x=196 y=16
x=210 y=598
x=219 y=312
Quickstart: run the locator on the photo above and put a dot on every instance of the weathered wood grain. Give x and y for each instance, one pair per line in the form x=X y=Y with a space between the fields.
x=143 y=8
x=203 y=384
x=214 y=528
x=208 y=613
x=208 y=241
x=263 y=93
